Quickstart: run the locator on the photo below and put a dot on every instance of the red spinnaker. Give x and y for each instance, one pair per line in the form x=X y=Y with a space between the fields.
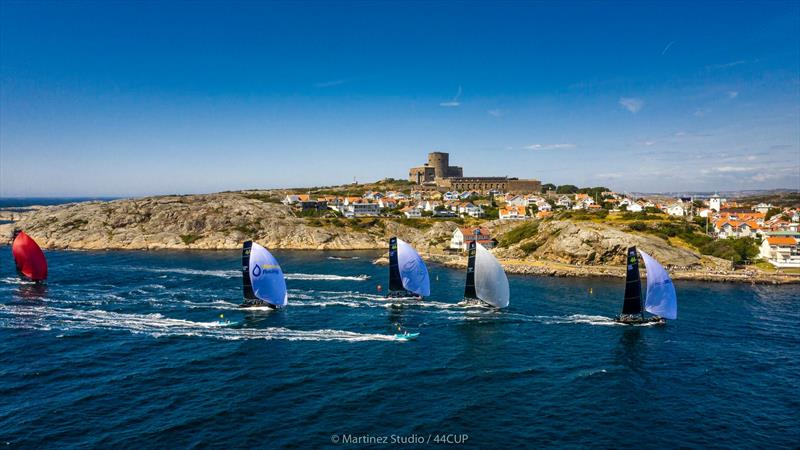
x=30 y=259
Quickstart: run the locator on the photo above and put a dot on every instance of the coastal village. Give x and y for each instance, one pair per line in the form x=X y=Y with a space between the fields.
x=532 y=227
x=437 y=190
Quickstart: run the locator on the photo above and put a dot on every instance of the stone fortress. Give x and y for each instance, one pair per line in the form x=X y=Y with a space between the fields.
x=438 y=172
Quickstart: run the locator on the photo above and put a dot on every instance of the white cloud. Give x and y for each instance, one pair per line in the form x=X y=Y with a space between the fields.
x=632 y=104
x=646 y=143
x=331 y=83
x=549 y=146
x=496 y=112
x=701 y=112
x=733 y=94
x=732 y=169
x=667 y=48
x=750 y=157
x=454 y=102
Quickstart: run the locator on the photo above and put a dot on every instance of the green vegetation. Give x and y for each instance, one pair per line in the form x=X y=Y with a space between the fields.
x=529 y=247
x=491 y=213
x=737 y=250
x=567 y=189
x=518 y=234
x=266 y=198
x=771 y=212
x=190 y=238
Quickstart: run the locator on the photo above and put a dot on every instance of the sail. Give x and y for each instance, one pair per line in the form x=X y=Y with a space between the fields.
x=633 y=285
x=29 y=258
x=491 y=282
x=395 y=281
x=469 y=288
x=412 y=269
x=661 y=299
x=247 y=285
x=265 y=276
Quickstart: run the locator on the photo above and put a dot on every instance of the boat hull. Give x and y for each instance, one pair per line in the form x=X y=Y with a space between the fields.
x=638 y=320
x=475 y=303
x=258 y=305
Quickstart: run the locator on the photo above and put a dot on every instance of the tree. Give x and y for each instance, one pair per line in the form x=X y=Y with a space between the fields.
x=548 y=187
x=567 y=189
x=771 y=212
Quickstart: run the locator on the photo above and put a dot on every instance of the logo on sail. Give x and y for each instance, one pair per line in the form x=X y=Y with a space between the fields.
x=258 y=270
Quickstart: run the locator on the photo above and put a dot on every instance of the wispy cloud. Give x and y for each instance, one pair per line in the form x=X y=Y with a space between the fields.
x=726 y=169
x=667 y=47
x=646 y=143
x=549 y=146
x=496 y=112
x=331 y=83
x=730 y=64
x=733 y=94
x=632 y=104
x=701 y=112
x=454 y=102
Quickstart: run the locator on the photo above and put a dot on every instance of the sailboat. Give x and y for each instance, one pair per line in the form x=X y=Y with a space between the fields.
x=487 y=283
x=661 y=300
x=29 y=258
x=263 y=283
x=408 y=276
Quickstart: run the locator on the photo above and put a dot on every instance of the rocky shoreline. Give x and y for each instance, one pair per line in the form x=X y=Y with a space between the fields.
x=223 y=221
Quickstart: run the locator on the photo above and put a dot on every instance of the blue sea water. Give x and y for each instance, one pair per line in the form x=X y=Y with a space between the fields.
x=25 y=202
x=126 y=349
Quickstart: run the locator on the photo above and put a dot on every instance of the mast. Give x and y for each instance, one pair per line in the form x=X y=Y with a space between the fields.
x=633 y=286
x=469 y=289
x=247 y=285
x=395 y=281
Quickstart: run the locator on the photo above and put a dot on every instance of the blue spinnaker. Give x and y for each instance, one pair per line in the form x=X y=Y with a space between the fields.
x=412 y=270
x=266 y=276
x=661 y=298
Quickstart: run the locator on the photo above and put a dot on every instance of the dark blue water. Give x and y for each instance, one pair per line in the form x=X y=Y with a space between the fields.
x=125 y=349
x=24 y=202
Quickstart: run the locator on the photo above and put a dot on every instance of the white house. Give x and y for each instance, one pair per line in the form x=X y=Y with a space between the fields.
x=471 y=210
x=412 y=212
x=360 y=209
x=564 y=202
x=676 y=209
x=463 y=236
x=781 y=251
x=513 y=213
x=715 y=202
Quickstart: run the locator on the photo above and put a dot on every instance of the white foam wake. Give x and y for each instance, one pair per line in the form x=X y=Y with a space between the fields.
x=156 y=325
x=187 y=271
x=326 y=277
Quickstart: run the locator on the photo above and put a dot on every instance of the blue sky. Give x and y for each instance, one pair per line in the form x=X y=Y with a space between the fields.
x=153 y=98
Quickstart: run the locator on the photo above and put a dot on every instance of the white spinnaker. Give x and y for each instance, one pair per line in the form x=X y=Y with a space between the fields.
x=491 y=282
x=412 y=270
x=266 y=277
x=661 y=298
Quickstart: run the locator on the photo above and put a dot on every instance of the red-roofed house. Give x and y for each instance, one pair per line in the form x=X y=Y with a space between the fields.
x=781 y=251
x=463 y=236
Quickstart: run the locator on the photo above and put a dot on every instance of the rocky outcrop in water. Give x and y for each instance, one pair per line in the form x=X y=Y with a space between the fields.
x=213 y=221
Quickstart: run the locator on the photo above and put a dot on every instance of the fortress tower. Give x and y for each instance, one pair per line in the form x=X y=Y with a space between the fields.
x=440 y=162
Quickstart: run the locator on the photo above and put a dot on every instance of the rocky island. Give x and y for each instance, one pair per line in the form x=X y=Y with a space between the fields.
x=223 y=220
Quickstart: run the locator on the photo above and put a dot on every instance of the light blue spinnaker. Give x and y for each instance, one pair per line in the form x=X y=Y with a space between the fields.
x=412 y=270
x=266 y=276
x=661 y=298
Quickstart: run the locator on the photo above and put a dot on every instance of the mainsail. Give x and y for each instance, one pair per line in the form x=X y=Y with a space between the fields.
x=262 y=276
x=661 y=299
x=491 y=282
x=29 y=257
x=407 y=267
x=633 y=285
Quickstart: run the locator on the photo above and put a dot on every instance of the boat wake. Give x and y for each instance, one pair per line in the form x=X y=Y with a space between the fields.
x=187 y=271
x=324 y=277
x=156 y=325
x=588 y=320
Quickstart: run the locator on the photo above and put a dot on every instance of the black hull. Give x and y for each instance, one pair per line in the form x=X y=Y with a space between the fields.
x=638 y=320
x=258 y=305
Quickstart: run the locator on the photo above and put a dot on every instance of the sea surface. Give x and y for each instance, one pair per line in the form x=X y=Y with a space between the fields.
x=23 y=203
x=133 y=350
